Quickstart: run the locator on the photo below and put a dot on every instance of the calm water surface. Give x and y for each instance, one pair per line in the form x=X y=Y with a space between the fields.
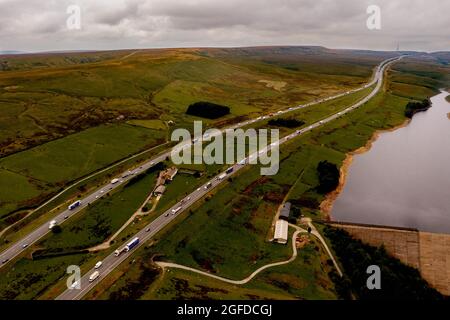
x=404 y=180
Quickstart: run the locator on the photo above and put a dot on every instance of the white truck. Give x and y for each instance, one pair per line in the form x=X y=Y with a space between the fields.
x=130 y=245
x=114 y=181
x=222 y=176
x=174 y=211
x=94 y=276
x=118 y=252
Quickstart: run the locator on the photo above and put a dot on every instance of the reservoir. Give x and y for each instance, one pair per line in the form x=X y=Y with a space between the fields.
x=404 y=179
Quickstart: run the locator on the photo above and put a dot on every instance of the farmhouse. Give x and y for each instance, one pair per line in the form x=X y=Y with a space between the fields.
x=285 y=211
x=159 y=190
x=170 y=173
x=281 y=231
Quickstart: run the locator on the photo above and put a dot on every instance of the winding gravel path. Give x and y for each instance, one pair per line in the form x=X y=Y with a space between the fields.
x=259 y=270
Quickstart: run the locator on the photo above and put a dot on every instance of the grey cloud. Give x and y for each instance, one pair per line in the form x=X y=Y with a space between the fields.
x=35 y=25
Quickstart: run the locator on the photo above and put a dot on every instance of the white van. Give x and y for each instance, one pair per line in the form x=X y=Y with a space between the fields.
x=94 y=276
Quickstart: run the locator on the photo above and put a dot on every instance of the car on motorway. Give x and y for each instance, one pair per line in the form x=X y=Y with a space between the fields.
x=101 y=191
x=98 y=265
x=126 y=174
x=147 y=230
x=188 y=198
x=208 y=185
x=74 y=285
x=52 y=224
x=166 y=215
x=5 y=261
x=25 y=245
x=65 y=217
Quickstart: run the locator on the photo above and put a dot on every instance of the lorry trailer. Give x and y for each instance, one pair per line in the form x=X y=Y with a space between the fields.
x=133 y=243
x=74 y=205
x=229 y=170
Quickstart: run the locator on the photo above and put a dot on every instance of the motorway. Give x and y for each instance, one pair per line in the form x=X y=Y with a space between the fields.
x=112 y=261
x=20 y=246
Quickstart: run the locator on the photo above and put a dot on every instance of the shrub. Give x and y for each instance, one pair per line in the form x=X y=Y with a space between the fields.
x=56 y=229
x=287 y=123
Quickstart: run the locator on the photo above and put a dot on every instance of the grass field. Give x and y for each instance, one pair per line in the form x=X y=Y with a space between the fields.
x=102 y=219
x=30 y=278
x=42 y=170
x=304 y=278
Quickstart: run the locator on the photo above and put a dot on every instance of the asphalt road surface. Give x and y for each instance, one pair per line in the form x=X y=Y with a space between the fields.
x=112 y=261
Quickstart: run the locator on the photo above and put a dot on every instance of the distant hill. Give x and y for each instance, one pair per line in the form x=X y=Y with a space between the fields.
x=8 y=52
x=442 y=56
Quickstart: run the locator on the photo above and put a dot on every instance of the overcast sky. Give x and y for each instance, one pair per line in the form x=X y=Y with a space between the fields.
x=40 y=25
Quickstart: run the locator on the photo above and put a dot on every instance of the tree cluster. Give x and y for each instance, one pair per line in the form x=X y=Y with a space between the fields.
x=287 y=123
x=207 y=110
x=328 y=176
x=413 y=107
